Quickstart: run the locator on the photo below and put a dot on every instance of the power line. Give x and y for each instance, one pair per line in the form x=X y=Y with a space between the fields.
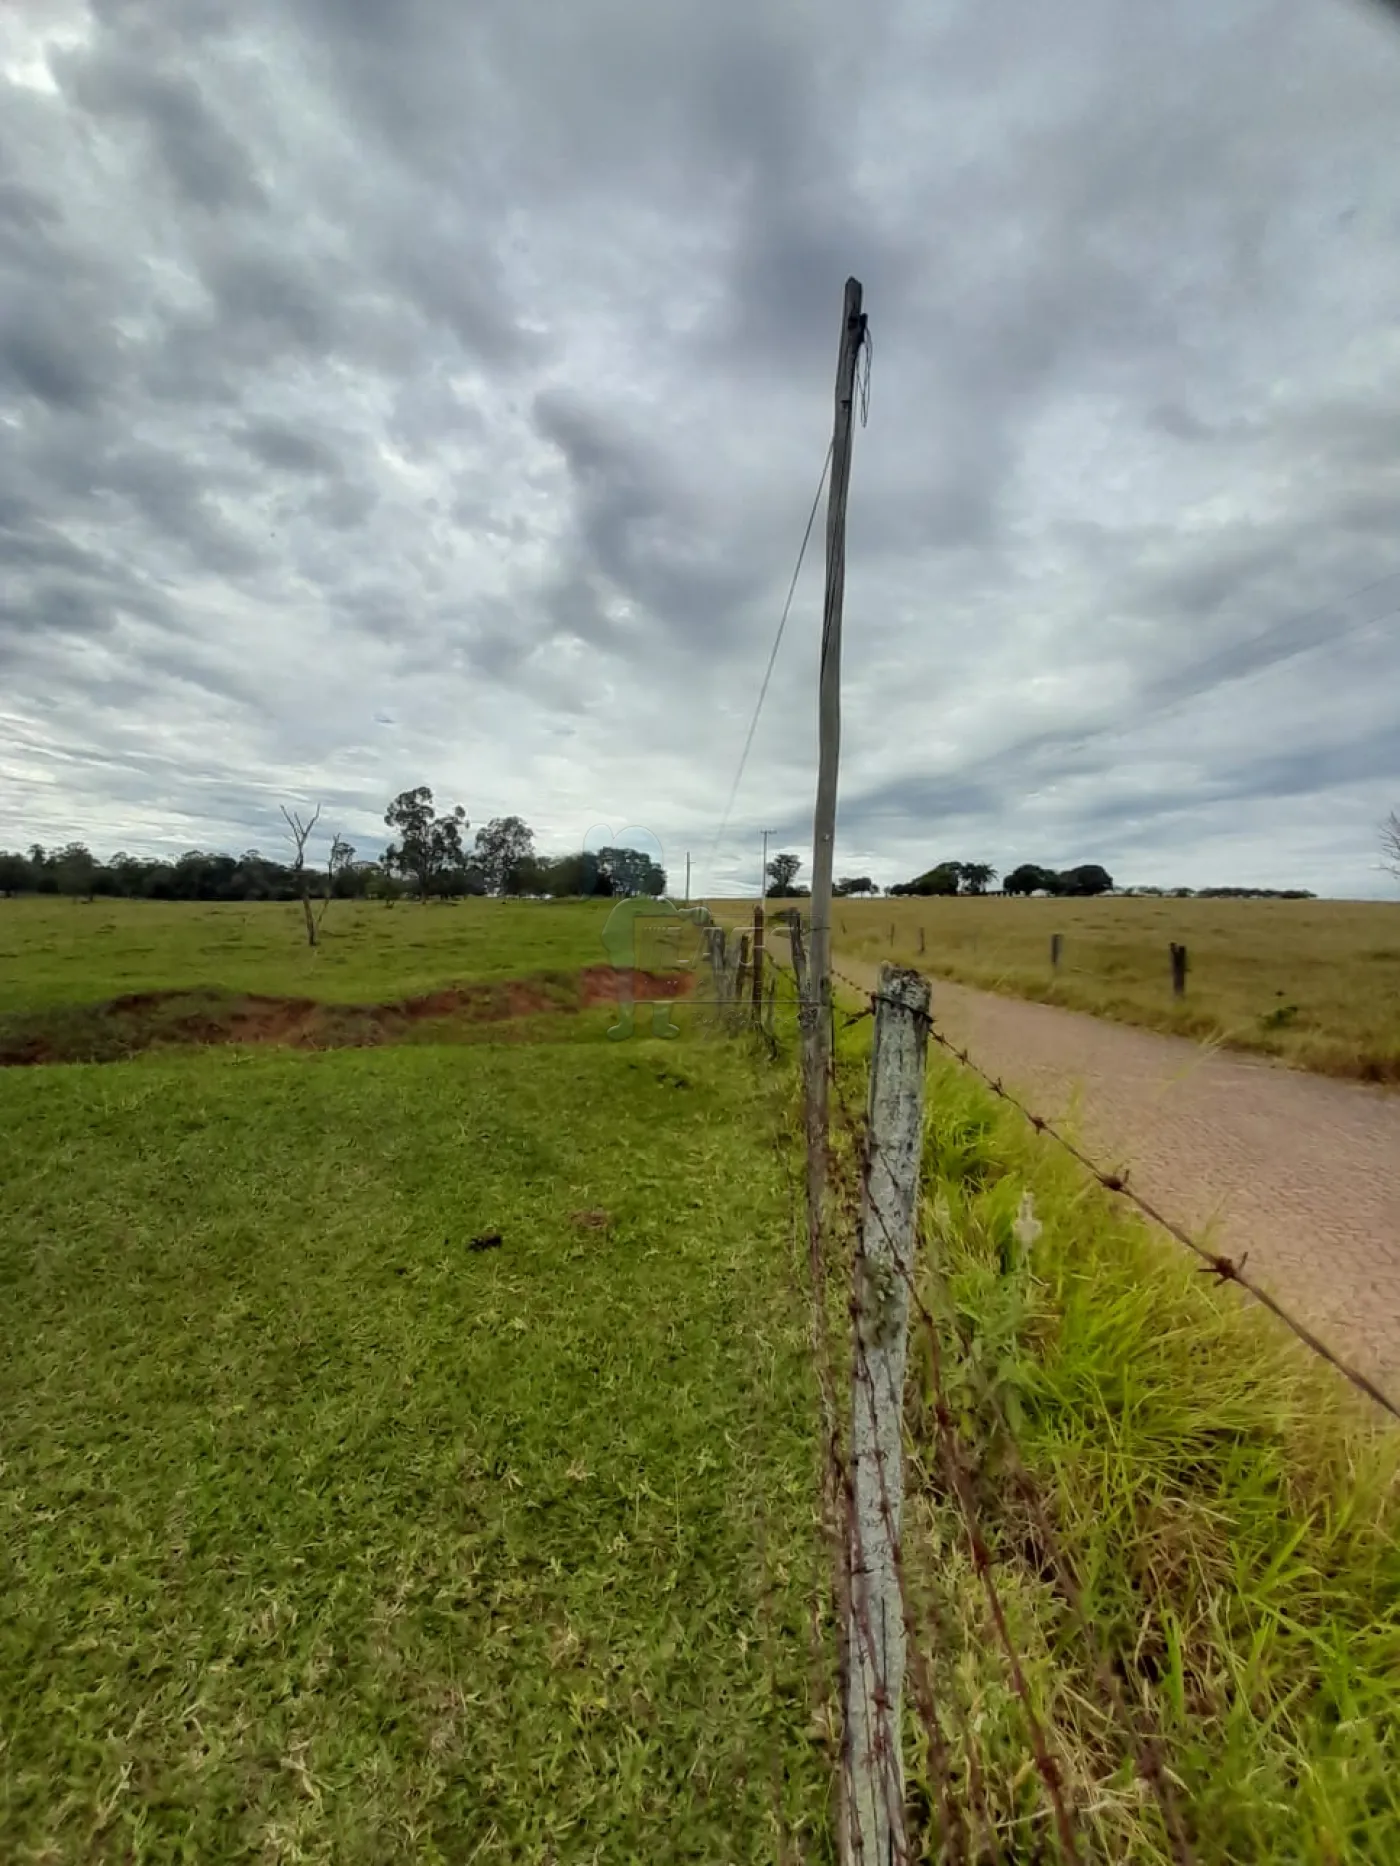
x=772 y=658
x=1279 y=635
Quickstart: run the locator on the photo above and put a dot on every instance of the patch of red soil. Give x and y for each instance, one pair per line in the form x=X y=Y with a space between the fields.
x=598 y=985
x=145 y=1019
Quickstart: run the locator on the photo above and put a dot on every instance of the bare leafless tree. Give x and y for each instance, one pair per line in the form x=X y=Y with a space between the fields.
x=300 y=834
x=1390 y=843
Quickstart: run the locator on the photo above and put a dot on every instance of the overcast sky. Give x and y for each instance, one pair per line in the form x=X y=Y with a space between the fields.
x=435 y=393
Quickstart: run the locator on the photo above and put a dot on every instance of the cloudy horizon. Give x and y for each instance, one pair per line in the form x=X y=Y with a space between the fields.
x=437 y=395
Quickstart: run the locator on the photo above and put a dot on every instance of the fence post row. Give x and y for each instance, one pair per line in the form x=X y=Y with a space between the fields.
x=884 y=1267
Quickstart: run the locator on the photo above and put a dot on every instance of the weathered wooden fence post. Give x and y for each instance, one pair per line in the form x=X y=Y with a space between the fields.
x=758 y=965
x=719 y=965
x=921 y=939
x=875 y=1829
x=1056 y=945
x=1178 y=970
x=740 y=978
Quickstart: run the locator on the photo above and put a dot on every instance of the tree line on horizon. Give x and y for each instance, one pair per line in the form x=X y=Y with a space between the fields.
x=428 y=857
x=1088 y=879
x=975 y=878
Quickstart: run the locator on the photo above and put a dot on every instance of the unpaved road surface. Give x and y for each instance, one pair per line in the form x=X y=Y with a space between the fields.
x=1301 y=1171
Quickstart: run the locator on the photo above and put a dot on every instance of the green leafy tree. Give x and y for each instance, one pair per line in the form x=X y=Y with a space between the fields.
x=341 y=877
x=1088 y=878
x=565 y=877
x=628 y=872
x=428 y=844
x=503 y=848
x=16 y=875
x=75 y=870
x=782 y=873
x=853 y=884
x=946 y=878
x=978 y=876
x=1031 y=879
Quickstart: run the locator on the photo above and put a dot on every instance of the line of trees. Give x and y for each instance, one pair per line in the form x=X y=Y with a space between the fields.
x=1088 y=878
x=949 y=878
x=1224 y=894
x=428 y=857
x=783 y=884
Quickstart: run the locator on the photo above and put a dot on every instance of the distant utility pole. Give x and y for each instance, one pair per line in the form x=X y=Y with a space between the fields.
x=687 y=877
x=763 y=872
x=818 y=1008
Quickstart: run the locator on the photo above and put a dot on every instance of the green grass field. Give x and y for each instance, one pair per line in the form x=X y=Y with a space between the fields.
x=62 y=952
x=1316 y=983
x=328 y=1535
x=334 y=1529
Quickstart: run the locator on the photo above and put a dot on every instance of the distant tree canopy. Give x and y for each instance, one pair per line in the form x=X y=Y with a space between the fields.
x=975 y=877
x=503 y=852
x=1029 y=878
x=429 y=845
x=427 y=856
x=628 y=872
x=1225 y=894
x=782 y=877
x=849 y=885
x=1087 y=879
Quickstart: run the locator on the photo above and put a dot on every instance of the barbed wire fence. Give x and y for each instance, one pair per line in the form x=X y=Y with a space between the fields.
x=919 y=1779
x=1215 y=1263
x=913 y=1780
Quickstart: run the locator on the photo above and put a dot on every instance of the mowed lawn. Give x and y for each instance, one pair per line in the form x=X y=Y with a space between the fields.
x=332 y=1528
x=1316 y=983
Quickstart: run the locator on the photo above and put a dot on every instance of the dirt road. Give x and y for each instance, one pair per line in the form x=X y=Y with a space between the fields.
x=1300 y=1171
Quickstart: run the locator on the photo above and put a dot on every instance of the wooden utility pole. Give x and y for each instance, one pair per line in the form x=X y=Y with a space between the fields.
x=763 y=872
x=687 y=877
x=818 y=1020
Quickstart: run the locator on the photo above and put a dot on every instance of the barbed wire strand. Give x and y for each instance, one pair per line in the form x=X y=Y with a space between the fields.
x=1226 y=1269
x=772 y=660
